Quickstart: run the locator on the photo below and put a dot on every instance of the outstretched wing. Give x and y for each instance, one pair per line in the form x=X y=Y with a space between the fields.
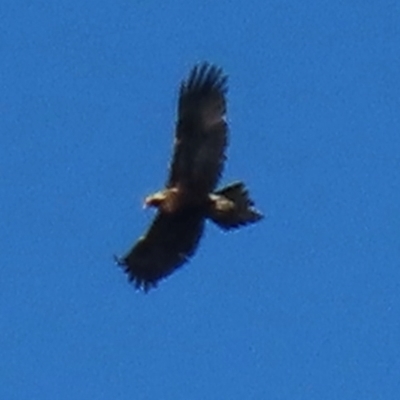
x=201 y=131
x=170 y=241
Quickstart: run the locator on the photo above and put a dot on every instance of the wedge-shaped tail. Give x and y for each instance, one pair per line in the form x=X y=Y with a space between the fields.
x=231 y=207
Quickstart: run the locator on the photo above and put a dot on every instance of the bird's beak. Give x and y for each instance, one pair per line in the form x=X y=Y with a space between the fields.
x=146 y=203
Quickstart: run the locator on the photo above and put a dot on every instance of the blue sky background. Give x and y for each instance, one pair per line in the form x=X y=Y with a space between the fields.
x=305 y=305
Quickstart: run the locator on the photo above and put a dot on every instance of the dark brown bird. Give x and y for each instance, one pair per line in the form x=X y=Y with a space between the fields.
x=190 y=198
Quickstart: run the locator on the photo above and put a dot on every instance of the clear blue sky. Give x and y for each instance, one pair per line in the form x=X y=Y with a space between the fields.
x=305 y=305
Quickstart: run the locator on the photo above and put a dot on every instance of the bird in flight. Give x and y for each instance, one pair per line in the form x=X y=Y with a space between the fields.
x=190 y=196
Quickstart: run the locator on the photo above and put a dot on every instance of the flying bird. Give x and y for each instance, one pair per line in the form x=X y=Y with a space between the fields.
x=190 y=196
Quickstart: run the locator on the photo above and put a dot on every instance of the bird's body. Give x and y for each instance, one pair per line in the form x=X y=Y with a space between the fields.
x=190 y=197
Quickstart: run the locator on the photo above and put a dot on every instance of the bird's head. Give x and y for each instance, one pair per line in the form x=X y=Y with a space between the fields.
x=154 y=200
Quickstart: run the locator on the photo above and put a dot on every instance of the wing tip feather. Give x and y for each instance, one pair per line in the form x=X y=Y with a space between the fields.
x=205 y=77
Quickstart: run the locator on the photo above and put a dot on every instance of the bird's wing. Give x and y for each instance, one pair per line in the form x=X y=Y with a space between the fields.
x=201 y=133
x=170 y=241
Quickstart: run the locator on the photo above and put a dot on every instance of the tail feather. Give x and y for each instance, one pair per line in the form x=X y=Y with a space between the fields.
x=232 y=207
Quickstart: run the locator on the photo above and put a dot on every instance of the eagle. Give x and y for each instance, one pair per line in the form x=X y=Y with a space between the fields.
x=190 y=196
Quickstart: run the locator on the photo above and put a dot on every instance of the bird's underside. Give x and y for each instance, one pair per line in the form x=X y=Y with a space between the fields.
x=190 y=198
